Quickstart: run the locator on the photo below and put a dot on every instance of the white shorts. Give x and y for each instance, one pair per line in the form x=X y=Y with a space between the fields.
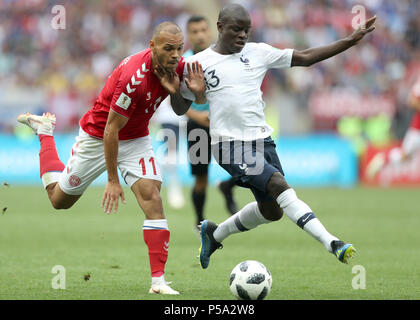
x=136 y=160
x=411 y=142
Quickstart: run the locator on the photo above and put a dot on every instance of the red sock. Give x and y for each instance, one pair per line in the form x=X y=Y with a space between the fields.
x=157 y=241
x=48 y=156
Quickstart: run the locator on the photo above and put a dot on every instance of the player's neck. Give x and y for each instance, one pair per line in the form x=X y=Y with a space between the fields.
x=219 y=48
x=154 y=61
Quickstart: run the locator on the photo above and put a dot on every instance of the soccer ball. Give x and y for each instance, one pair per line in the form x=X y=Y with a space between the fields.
x=250 y=280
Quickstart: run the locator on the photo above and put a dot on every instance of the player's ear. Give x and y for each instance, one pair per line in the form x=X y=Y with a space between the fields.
x=151 y=44
x=219 y=26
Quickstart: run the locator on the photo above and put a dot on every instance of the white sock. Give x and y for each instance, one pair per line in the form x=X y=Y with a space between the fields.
x=300 y=213
x=155 y=224
x=395 y=155
x=245 y=219
x=157 y=281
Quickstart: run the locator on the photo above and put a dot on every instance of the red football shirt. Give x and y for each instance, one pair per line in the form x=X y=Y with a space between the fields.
x=133 y=91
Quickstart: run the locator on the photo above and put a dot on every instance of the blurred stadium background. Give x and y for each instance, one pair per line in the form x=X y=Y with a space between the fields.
x=332 y=117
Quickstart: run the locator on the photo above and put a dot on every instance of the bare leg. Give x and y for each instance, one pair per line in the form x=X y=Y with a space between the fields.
x=58 y=198
x=198 y=196
x=147 y=193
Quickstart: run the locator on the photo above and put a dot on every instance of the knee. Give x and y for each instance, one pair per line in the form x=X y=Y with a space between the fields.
x=59 y=205
x=276 y=185
x=272 y=213
x=276 y=214
x=151 y=195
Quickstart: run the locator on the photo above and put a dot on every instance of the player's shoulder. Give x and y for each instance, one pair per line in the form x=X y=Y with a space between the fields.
x=137 y=59
x=257 y=47
x=262 y=50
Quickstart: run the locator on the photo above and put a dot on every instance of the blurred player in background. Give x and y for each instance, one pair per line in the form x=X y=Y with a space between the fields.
x=411 y=141
x=199 y=35
x=234 y=71
x=114 y=134
x=170 y=123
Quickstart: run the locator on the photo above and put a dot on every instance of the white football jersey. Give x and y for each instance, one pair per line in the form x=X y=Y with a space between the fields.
x=233 y=89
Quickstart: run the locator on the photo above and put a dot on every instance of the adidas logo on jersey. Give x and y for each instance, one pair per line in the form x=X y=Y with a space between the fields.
x=134 y=81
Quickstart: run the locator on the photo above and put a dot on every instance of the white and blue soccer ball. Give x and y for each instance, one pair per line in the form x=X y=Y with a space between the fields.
x=250 y=280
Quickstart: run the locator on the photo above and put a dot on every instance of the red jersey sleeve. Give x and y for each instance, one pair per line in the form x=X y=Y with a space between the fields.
x=124 y=98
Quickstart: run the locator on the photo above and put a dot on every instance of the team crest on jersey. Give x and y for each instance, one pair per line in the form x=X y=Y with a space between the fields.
x=123 y=101
x=245 y=61
x=74 y=180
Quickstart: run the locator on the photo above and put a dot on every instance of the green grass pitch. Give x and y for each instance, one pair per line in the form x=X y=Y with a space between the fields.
x=383 y=224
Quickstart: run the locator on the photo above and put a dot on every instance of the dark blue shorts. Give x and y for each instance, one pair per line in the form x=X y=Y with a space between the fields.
x=250 y=163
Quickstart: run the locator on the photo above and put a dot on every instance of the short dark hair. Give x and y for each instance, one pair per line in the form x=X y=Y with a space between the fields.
x=167 y=26
x=195 y=19
x=232 y=10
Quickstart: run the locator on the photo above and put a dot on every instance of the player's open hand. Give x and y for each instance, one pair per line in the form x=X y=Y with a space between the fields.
x=113 y=191
x=195 y=79
x=168 y=79
x=363 y=30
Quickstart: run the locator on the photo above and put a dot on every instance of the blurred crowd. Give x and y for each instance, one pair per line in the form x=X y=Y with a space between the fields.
x=63 y=70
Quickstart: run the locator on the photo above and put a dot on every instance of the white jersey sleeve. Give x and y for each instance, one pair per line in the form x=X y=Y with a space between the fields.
x=274 y=57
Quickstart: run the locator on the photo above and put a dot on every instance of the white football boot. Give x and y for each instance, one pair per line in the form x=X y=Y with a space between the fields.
x=160 y=286
x=44 y=124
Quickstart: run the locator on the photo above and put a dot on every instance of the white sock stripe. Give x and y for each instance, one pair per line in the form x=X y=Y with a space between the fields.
x=50 y=177
x=303 y=220
x=159 y=224
x=239 y=224
x=286 y=198
x=301 y=214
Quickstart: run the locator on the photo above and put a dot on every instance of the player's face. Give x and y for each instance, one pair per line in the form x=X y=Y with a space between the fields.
x=234 y=33
x=167 y=49
x=199 y=35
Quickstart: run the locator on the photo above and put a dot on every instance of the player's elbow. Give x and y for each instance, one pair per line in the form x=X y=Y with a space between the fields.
x=110 y=131
x=179 y=112
x=180 y=109
x=301 y=59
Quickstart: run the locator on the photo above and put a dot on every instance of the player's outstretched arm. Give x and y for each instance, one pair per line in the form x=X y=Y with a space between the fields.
x=308 y=57
x=113 y=190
